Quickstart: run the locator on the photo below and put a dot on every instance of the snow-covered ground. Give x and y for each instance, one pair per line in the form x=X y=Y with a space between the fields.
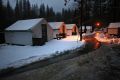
x=16 y=56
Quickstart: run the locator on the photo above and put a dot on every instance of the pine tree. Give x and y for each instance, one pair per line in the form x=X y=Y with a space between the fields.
x=1 y=14
x=33 y=14
x=1 y=9
x=35 y=11
x=1 y=5
x=58 y=17
x=21 y=8
x=2 y=40
x=47 y=12
x=24 y=9
x=18 y=11
x=28 y=9
x=52 y=14
x=115 y=10
x=9 y=14
x=42 y=12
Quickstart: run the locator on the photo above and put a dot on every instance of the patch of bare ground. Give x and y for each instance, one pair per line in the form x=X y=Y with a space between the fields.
x=101 y=64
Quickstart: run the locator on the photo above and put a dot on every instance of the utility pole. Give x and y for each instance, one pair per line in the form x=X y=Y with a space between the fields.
x=81 y=22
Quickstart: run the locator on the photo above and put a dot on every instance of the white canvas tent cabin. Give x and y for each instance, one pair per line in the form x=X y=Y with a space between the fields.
x=29 y=32
x=72 y=29
x=58 y=28
x=114 y=29
x=88 y=29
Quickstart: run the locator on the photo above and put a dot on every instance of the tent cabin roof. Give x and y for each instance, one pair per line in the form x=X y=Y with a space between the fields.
x=56 y=25
x=114 y=25
x=70 y=26
x=24 y=25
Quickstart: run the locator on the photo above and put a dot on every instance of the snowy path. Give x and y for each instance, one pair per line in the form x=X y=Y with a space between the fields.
x=20 y=55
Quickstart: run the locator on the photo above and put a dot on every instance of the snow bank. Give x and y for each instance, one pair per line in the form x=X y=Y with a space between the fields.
x=16 y=56
x=102 y=38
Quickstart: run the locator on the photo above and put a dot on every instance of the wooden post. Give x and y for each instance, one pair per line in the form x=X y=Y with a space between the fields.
x=81 y=9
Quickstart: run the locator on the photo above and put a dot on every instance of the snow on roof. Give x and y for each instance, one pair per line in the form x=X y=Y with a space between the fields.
x=114 y=25
x=24 y=24
x=55 y=25
x=70 y=26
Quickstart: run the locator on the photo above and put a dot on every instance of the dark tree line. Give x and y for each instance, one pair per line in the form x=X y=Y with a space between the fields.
x=91 y=12
x=107 y=10
x=104 y=11
x=24 y=10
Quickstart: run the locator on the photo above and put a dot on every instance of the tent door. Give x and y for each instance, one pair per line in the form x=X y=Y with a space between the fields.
x=44 y=32
x=63 y=29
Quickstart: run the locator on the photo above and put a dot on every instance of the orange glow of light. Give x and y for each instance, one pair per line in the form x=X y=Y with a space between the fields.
x=97 y=45
x=83 y=40
x=97 y=24
x=97 y=34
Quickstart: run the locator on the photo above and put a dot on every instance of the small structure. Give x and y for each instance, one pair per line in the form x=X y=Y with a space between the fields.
x=72 y=29
x=114 y=29
x=29 y=32
x=58 y=28
x=86 y=29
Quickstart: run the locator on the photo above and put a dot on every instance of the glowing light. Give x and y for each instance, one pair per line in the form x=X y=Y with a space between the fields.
x=97 y=24
x=83 y=40
x=97 y=34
